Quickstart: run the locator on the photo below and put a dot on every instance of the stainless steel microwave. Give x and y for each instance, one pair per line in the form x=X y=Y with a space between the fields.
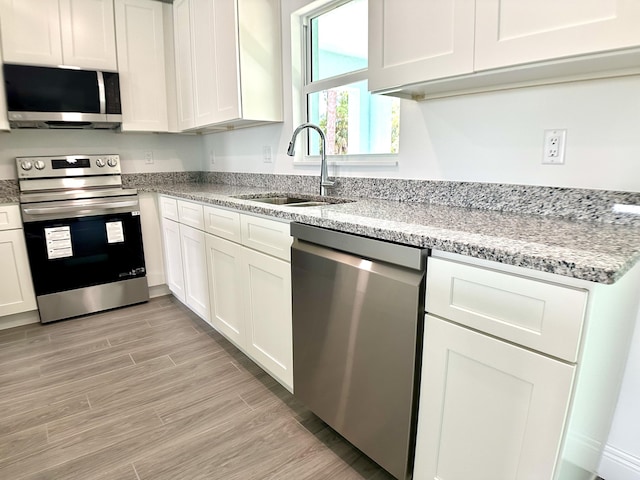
x=44 y=97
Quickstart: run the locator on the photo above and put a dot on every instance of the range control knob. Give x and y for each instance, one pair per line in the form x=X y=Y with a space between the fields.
x=100 y=162
x=112 y=162
x=39 y=164
x=26 y=165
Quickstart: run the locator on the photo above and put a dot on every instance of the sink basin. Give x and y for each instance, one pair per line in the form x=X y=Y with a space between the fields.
x=294 y=201
x=283 y=200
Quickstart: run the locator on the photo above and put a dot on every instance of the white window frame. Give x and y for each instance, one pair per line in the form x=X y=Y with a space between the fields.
x=306 y=88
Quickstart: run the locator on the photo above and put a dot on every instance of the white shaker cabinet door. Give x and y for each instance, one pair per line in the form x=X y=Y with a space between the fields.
x=488 y=409
x=31 y=32
x=196 y=286
x=183 y=52
x=88 y=34
x=215 y=61
x=415 y=41
x=512 y=32
x=224 y=264
x=173 y=258
x=16 y=288
x=267 y=290
x=141 y=65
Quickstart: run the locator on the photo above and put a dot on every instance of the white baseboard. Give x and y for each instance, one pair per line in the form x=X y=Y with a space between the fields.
x=617 y=464
x=158 y=291
x=19 y=319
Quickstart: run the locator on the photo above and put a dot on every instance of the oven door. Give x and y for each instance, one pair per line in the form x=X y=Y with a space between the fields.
x=72 y=253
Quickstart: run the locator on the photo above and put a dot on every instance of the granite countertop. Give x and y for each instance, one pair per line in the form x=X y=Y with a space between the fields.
x=586 y=250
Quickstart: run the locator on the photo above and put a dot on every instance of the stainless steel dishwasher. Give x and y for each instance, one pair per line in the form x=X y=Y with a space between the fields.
x=358 y=308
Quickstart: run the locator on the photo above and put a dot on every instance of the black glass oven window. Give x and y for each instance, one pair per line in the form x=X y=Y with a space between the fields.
x=76 y=163
x=94 y=261
x=42 y=89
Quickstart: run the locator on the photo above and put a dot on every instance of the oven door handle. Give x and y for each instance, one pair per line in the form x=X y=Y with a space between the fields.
x=90 y=208
x=80 y=208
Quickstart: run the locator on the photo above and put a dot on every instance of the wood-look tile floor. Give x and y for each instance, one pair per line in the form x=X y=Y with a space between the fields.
x=151 y=392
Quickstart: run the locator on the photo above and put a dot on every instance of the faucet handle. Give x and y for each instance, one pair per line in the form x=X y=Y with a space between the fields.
x=328 y=183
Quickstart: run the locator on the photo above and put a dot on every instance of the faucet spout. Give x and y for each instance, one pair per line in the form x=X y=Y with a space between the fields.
x=325 y=183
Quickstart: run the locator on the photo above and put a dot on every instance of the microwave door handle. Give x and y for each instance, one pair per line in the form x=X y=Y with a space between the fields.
x=101 y=93
x=82 y=209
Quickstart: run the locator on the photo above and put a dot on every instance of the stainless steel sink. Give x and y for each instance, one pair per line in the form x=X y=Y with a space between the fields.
x=294 y=201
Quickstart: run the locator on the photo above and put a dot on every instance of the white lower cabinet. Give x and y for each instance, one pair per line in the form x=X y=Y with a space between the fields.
x=196 y=291
x=16 y=289
x=173 y=258
x=185 y=255
x=488 y=409
x=520 y=371
x=224 y=263
x=250 y=287
x=267 y=298
x=233 y=270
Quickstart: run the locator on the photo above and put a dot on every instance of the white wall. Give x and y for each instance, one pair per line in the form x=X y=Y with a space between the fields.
x=490 y=137
x=171 y=153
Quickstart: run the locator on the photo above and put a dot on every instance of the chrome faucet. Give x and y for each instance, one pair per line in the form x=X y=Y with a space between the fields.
x=325 y=183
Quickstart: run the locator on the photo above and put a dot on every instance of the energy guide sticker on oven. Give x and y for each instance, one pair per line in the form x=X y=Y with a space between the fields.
x=115 y=233
x=58 y=242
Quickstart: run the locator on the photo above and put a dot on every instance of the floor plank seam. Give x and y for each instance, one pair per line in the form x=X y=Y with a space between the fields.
x=135 y=471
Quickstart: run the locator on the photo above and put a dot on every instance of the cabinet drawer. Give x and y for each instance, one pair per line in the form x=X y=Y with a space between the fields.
x=222 y=223
x=268 y=236
x=536 y=314
x=10 y=217
x=191 y=214
x=169 y=208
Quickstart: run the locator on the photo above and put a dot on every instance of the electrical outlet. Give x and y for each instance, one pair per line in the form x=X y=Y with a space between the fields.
x=553 y=153
x=148 y=158
x=266 y=154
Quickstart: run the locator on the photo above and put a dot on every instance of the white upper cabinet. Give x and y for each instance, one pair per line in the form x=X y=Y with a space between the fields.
x=511 y=32
x=141 y=64
x=88 y=34
x=78 y=33
x=228 y=63
x=423 y=49
x=31 y=32
x=183 y=53
x=413 y=41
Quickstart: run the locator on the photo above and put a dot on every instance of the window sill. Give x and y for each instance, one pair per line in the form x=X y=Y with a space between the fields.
x=369 y=161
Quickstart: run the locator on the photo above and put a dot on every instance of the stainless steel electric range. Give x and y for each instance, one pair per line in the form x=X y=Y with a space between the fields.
x=83 y=234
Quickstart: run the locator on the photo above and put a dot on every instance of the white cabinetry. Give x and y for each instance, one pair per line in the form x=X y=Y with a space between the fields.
x=16 y=287
x=224 y=264
x=488 y=409
x=461 y=46
x=173 y=257
x=228 y=63
x=512 y=372
x=267 y=298
x=184 y=247
x=152 y=239
x=250 y=287
x=436 y=41
x=512 y=32
x=59 y=32
x=194 y=263
x=140 y=39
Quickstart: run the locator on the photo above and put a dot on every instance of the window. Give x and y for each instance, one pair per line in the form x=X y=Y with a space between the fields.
x=335 y=85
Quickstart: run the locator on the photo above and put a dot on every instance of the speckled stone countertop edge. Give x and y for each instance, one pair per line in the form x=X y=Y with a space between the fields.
x=588 y=265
